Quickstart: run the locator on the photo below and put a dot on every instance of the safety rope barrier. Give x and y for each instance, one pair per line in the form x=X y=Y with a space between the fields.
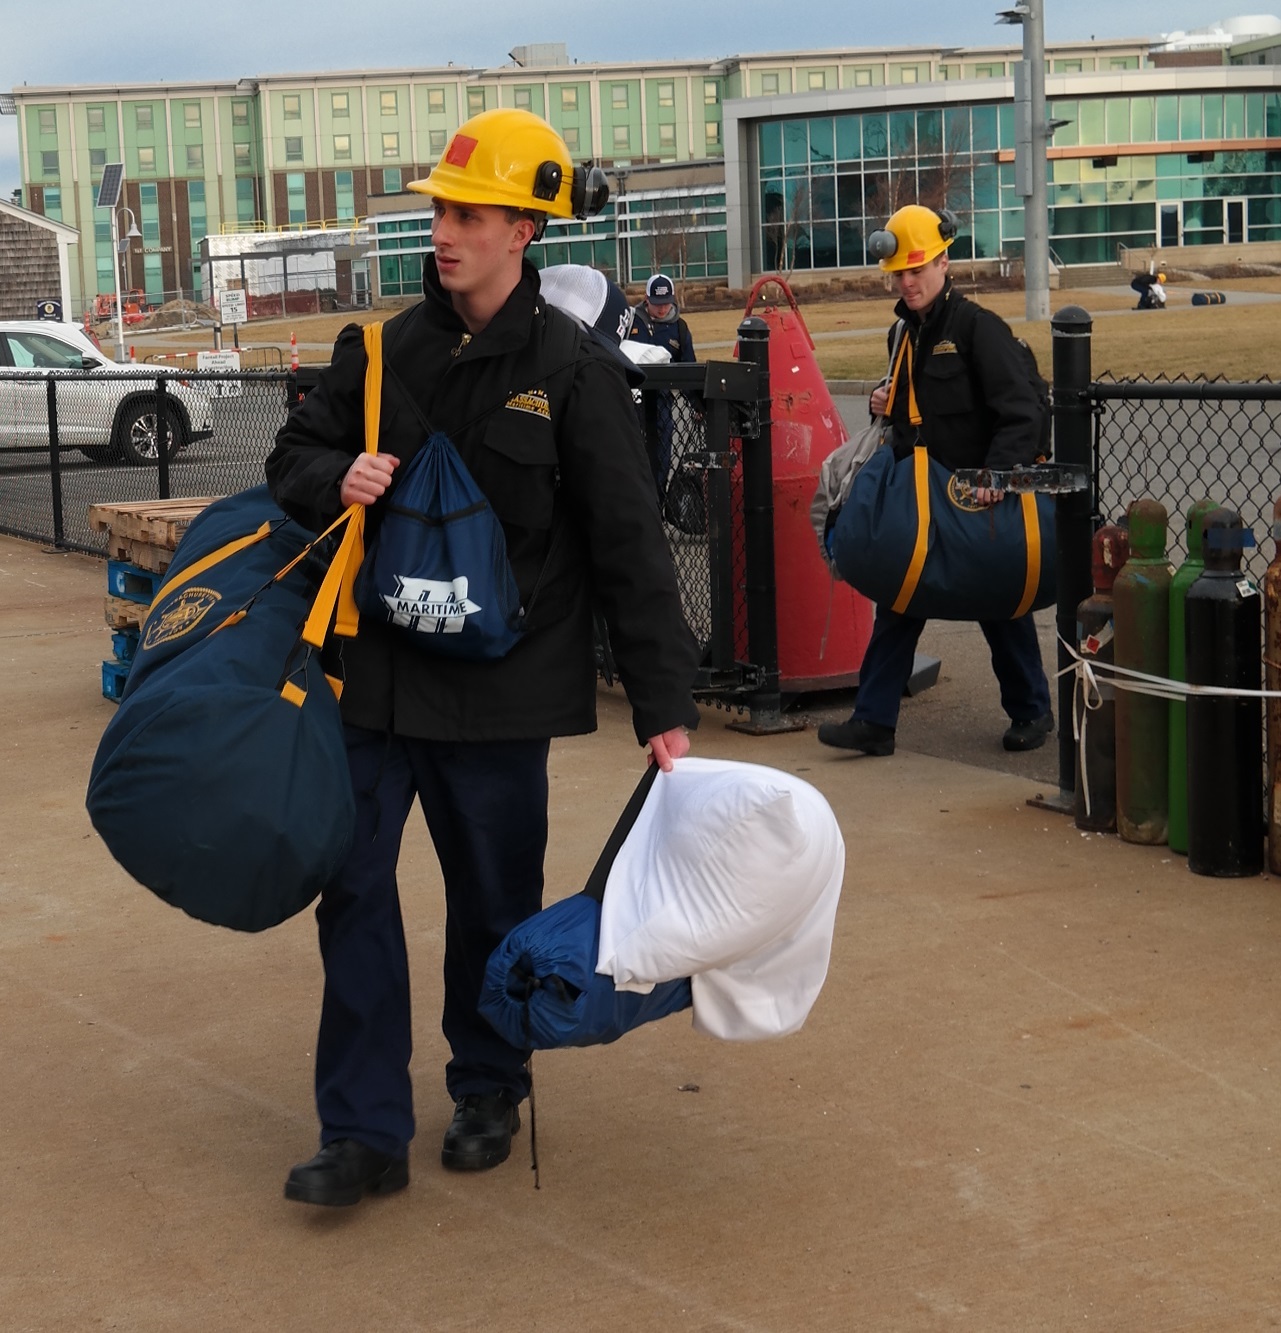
x=1089 y=690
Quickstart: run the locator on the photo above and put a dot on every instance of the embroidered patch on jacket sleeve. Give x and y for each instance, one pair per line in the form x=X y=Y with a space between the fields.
x=533 y=401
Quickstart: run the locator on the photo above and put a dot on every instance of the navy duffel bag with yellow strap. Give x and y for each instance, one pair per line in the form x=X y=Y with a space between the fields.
x=911 y=538
x=221 y=784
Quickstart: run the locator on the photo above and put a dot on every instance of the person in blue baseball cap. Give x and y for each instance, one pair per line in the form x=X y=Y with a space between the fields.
x=656 y=321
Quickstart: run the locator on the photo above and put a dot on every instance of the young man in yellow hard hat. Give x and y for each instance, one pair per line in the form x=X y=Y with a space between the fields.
x=554 y=445
x=977 y=409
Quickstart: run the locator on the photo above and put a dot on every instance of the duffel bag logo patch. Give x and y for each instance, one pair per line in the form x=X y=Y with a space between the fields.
x=429 y=606
x=180 y=616
x=962 y=496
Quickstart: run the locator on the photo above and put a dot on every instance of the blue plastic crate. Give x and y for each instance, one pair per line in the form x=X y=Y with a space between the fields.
x=114 y=675
x=131 y=582
x=124 y=643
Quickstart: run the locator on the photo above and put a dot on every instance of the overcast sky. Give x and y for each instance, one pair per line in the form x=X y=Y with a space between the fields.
x=63 y=42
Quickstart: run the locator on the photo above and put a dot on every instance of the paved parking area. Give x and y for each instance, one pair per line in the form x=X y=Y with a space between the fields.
x=1041 y=1089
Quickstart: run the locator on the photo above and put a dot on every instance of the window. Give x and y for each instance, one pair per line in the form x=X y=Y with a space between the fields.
x=569 y=99
x=475 y=101
x=907 y=74
x=342 y=147
x=142 y=118
x=436 y=101
x=618 y=97
x=570 y=135
x=711 y=92
x=242 y=157
x=344 y=195
x=817 y=80
x=391 y=145
x=339 y=106
x=387 y=103
x=391 y=180
x=293 y=148
x=666 y=93
x=97 y=158
x=49 y=164
x=147 y=160
x=523 y=100
x=436 y=141
x=296 y=190
x=48 y=118
x=862 y=78
x=191 y=115
x=622 y=139
x=292 y=106
x=240 y=113
x=195 y=157
x=246 y=200
x=769 y=84
x=95 y=119
x=667 y=138
x=53 y=203
x=712 y=134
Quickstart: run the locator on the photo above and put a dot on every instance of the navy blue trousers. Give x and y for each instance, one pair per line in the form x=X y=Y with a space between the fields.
x=486 y=810
x=891 y=651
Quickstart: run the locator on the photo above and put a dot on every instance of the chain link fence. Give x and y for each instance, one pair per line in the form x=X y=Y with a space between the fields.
x=69 y=440
x=1183 y=440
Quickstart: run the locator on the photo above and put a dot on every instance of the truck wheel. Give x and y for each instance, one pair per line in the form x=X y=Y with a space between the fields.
x=136 y=433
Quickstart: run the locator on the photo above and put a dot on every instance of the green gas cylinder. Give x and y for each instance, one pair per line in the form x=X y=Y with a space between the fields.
x=1141 y=608
x=1184 y=577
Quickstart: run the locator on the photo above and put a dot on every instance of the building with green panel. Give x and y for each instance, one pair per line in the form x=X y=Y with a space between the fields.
x=721 y=169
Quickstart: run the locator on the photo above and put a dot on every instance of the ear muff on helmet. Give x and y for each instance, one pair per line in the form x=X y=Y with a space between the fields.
x=912 y=237
x=588 y=188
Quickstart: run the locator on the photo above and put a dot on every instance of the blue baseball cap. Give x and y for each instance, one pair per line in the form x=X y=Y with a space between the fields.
x=659 y=289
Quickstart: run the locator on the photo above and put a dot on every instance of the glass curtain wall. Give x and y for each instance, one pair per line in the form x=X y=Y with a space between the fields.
x=826 y=182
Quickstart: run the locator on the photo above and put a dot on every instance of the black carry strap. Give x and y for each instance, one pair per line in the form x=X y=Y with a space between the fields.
x=595 y=886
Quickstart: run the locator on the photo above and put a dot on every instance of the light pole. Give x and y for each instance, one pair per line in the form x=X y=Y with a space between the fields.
x=1031 y=137
x=119 y=247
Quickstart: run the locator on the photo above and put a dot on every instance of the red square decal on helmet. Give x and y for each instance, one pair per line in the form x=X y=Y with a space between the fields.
x=915 y=257
x=461 y=147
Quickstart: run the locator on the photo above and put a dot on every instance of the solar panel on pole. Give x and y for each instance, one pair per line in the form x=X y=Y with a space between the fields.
x=113 y=176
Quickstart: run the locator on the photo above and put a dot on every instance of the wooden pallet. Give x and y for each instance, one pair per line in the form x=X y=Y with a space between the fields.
x=121 y=614
x=145 y=532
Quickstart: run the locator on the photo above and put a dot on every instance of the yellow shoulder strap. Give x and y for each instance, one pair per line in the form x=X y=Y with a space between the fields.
x=339 y=582
x=921 y=479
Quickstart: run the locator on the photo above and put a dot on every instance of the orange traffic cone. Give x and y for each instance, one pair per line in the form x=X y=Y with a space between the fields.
x=293 y=351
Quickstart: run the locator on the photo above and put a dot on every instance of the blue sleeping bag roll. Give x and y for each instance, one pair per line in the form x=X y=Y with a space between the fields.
x=221 y=783
x=542 y=990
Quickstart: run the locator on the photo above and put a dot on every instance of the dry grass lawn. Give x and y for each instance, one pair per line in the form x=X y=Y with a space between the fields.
x=1235 y=341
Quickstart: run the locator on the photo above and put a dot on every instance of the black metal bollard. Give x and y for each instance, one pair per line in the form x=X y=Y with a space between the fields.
x=1070 y=330
x=1222 y=626
x=760 y=592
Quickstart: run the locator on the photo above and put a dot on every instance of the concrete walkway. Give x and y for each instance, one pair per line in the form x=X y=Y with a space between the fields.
x=1041 y=1089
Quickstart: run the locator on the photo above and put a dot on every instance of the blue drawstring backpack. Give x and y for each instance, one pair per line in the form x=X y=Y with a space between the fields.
x=436 y=565
x=437 y=568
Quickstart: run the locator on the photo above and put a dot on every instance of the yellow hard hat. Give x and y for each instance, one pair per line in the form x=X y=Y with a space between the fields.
x=912 y=237
x=1160 y=277
x=514 y=159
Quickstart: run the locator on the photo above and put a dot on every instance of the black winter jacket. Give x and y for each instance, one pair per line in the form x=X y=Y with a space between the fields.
x=977 y=404
x=573 y=490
